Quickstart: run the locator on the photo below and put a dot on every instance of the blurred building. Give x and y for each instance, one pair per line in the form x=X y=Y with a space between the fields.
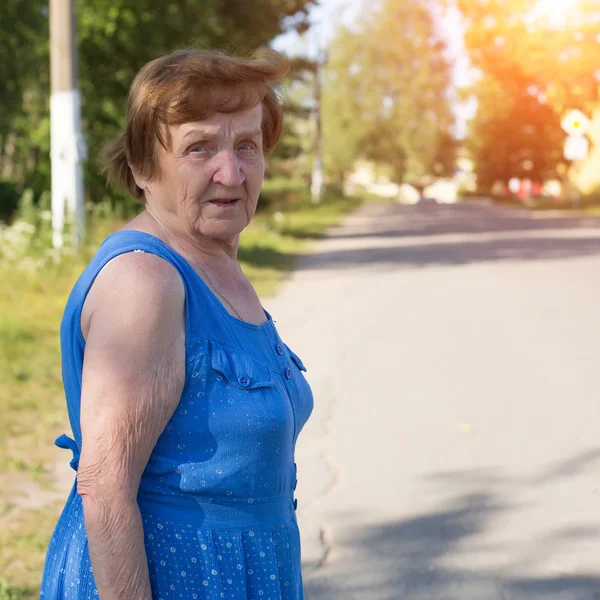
x=367 y=177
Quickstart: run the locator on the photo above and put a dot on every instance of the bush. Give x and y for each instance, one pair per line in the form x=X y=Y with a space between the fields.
x=282 y=193
x=334 y=190
x=10 y=194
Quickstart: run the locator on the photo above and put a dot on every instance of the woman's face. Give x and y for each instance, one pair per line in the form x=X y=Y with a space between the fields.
x=211 y=173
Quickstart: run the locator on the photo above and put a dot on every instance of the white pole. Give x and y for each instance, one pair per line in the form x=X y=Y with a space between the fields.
x=316 y=53
x=67 y=145
x=316 y=187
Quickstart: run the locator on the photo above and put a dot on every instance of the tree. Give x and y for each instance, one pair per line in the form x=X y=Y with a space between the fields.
x=534 y=64
x=444 y=164
x=118 y=29
x=24 y=90
x=556 y=51
x=385 y=92
x=291 y=156
x=514 y=135
x=116 y=37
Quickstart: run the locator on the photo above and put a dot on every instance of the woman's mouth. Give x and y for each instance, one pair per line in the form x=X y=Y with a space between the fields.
x=224 y=202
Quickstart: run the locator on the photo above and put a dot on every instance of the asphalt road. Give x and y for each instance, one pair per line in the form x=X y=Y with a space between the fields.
x=454 y=450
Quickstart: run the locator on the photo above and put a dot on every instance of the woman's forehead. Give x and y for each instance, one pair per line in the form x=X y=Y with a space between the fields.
x=247 y=122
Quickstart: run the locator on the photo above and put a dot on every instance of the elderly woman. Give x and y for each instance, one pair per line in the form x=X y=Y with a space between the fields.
x=184 y=401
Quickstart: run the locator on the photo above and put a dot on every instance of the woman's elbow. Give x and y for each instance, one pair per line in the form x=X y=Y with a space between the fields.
x=104 y=491
x=106 y=507
x=99 y=476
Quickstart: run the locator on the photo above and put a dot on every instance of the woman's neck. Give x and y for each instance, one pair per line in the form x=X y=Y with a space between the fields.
x=190 y=240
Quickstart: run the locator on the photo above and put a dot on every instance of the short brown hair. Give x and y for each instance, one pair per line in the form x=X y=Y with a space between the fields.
x=186 y=86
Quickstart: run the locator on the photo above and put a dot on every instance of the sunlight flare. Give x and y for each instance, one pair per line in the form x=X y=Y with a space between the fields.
x=556 y=11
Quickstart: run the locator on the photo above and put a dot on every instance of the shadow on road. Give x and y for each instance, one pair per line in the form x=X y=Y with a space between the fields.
x=423 y=558
x=550 y=248
x=401 y=561
x=398 y=220
x=483 y=234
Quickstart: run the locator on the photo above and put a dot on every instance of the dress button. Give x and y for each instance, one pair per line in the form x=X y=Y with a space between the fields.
x=296 y=504
x=244 y=381
x=295 y=484
x=288 y=373
x=279 y=349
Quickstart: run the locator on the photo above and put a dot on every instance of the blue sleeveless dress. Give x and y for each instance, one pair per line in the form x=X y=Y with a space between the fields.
x=217 y=496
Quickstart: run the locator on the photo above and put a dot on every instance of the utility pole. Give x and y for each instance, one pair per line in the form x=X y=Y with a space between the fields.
x=316 y=187
x=67 y=144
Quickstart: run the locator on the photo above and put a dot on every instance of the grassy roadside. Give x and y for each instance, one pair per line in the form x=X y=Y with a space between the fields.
x=31 y=395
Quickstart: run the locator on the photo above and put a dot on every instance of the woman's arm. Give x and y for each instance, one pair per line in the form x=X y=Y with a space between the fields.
x=133 y=375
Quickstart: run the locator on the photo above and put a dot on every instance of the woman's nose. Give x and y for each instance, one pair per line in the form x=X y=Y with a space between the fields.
x=227 y=169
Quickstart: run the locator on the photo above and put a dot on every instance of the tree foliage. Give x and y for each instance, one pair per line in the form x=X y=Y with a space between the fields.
x=116 y=37
x=385 y=92
x=24 y=88
x=535 y=64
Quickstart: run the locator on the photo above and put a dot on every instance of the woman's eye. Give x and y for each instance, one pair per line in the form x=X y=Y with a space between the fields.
x=198 y=148
x=246 y=147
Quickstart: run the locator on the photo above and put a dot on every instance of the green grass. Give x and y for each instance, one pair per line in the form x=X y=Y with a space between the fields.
x=269 y=248
x=22 y=551
x=9 y=592
x=31 y=396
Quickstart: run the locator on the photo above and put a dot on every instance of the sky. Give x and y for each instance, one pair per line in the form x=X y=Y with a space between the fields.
x=332 y=13
x=324 y=18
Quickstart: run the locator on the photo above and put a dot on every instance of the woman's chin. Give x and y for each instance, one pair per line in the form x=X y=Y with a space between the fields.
x=223 y=229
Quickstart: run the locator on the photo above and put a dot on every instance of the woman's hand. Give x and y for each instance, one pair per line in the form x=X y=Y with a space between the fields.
x=133 y=376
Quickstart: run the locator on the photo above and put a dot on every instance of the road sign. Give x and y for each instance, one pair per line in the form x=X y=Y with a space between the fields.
x=575 y=123
x=577 y=147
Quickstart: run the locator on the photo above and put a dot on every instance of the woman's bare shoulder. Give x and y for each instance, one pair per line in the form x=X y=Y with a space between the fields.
x=135 y=288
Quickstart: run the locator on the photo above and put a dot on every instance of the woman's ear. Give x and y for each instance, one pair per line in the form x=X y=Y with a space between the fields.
x=141 y=181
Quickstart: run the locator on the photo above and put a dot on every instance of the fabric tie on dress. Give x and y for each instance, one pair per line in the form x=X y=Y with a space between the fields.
x=64 y=441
